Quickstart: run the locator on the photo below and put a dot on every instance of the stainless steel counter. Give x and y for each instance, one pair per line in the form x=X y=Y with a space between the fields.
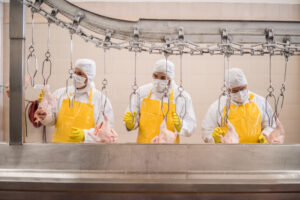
x=132 y=171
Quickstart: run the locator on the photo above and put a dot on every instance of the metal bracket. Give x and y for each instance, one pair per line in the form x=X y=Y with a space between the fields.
x=269 y=35
x=107 y=42
x=181 y=33
x=53 y=14
x=287 y=40
x=136 y=33
x=108 y=36
x=37 y=5
x=224 y=36
x=78 y=18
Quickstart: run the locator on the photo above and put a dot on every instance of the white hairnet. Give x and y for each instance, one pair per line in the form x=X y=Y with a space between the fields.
x=160 y=66
x=235 y=78
x=88 y=66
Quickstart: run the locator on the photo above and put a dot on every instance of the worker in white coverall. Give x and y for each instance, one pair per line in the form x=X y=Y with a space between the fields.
x=73 y=124
x=248 y=120
x=147 y=114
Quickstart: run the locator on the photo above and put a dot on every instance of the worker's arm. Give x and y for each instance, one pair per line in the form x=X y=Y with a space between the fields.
x=210 y=123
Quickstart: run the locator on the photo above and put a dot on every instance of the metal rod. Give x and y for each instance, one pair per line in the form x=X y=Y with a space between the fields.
x=16 y=75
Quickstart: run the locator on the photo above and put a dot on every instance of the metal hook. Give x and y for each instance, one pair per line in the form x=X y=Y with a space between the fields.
x=166 y=92
x=47 y=59
x=32 y=76
x=280 y=98
x=165 y=115
x=46 y=78
x=182 y=112
x=71 y=72
x=270 y=94
x=226 y=93
x=134 y=88
x=32 y=52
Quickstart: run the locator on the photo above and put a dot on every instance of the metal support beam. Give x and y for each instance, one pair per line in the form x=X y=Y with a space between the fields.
x=16 y=71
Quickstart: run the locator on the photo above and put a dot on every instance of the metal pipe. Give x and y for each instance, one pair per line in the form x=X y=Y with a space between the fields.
x=16 y=71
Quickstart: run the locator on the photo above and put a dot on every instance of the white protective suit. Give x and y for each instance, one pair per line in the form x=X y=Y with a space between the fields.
x=98 y=99
x=211 y=120
x=189 y=121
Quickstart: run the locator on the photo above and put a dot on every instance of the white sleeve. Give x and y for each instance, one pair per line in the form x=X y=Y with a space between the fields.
x=265 y=114
x=210 y=122
x=189 y=120
x=87 y=137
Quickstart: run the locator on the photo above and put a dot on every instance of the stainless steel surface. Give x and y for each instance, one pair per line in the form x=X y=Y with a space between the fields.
x=198 y=31
x=16 y=71
x=133 y=171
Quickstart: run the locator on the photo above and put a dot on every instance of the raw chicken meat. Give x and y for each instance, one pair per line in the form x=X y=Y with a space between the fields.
x=277 y=135
x=165 y=136
x=48 y=102
x=231 y=136
x=104 y=133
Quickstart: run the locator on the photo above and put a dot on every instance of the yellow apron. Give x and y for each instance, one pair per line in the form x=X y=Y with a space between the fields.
x=246 y=120
x=81 y=115
x=151 y=118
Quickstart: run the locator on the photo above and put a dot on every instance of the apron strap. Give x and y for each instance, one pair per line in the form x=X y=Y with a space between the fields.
x=251 y=96
x=149 y=95
x=90 y=96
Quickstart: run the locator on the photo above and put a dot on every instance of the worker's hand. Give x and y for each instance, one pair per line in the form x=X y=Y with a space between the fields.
x=217 y=133
x=262 y=139
x=277 y=135
x=41 y=96
x=7 y=90
x=77 y=135
x=177 y=122
x=129 y=119
x=40 y=114
x=231 y=136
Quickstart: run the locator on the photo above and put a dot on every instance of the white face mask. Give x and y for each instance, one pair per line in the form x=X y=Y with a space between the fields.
x=79 y=81
x=159 y=85
x=240 y=97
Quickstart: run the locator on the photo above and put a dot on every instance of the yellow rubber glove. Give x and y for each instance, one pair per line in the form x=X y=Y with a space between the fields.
x=41 y=96
x=129 y=120
x=177 y=121
x=262 y=139
x=77 y=135
x=216 y=134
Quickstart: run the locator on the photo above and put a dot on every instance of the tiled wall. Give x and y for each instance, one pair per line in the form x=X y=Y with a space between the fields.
x=202 y=75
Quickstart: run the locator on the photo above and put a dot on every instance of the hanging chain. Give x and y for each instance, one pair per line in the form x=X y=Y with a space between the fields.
x=227 y=50
x=134 y=92
x=270 y=96
x=134 y=88
x=32 y=53
x=47 y=59
x=280 y=98
x=166 y=94
x=104 y=82
x=70 y=96
x=182 y=112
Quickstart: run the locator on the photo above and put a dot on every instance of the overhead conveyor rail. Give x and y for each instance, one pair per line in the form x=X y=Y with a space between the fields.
x=178 y=36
